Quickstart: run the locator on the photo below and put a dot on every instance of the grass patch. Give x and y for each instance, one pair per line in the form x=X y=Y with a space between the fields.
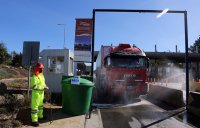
x=3 y=74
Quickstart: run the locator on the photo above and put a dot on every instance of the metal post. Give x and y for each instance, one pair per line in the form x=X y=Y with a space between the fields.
x=88 y=116
x=197 y=71
x=29 y=80
x=93 y=27
x=29 y=72
x=155 y=48
x=186 y=59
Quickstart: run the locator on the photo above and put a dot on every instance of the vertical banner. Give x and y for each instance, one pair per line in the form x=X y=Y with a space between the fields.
x=83 y=40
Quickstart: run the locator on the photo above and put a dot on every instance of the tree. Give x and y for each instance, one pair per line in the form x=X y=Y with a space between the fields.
x=196 y=44
x=17 y=59
x=4 y=55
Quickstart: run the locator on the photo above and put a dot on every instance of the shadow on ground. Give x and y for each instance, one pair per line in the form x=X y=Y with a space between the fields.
x=24 y=115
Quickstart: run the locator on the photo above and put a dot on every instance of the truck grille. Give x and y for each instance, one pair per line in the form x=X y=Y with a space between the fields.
x=129 y=79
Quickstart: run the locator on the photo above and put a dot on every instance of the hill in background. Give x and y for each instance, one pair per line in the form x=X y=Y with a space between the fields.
x=7 y=72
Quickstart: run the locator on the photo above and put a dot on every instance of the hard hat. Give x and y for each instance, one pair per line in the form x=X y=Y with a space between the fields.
x=39 y=68
x=39 y=65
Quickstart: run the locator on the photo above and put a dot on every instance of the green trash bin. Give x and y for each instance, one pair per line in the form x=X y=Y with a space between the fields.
x=76 y=95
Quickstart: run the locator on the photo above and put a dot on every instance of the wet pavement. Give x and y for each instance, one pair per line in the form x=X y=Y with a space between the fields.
x=141 y=114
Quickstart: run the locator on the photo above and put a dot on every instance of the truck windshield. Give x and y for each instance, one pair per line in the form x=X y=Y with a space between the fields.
x=128 y=62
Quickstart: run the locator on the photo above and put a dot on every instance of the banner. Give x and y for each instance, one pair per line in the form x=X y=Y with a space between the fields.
x=83 y=40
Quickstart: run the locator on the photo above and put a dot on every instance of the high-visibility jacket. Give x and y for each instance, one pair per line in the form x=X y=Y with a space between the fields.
x=38 y=82
x=37 y=86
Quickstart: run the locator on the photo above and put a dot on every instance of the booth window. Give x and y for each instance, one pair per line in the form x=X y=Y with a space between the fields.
x=71 y=66
x=56 y=64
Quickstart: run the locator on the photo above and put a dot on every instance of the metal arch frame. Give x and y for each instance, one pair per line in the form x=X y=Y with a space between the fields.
x=149 y=11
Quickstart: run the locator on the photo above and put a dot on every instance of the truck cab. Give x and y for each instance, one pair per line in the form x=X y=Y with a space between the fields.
x=123 y=73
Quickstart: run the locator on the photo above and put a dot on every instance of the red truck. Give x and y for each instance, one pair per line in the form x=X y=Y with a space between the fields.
x=121 y=72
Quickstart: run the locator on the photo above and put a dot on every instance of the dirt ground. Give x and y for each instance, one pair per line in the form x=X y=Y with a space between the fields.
x=9 y=107
x=15 y=110
x=12 y=72
x=13 y=77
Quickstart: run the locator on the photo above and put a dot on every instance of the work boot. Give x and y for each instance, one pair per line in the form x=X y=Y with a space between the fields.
x=35 y=124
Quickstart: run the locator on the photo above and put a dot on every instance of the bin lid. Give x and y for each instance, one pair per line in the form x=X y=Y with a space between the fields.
x=82 y=81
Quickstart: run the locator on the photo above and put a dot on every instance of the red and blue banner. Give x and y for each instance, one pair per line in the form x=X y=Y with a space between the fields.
x=83 y=40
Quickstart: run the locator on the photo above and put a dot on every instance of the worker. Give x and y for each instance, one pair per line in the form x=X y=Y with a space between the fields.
x=38 y=86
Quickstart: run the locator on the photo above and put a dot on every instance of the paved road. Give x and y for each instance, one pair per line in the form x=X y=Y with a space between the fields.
x=139 y=115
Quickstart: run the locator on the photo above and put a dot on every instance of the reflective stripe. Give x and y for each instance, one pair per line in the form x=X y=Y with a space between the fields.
x=34 y=111
x=40 y=107
x=38 y=89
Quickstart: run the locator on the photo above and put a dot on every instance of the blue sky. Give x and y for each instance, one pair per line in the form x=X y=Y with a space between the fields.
x=27 y=20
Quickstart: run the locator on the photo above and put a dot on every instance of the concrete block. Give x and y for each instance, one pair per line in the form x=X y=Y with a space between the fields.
x=195 y=86
x=169 y=96
x=194 y=103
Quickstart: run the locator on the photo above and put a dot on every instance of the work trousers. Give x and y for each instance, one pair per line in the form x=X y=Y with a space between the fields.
x=37 y=105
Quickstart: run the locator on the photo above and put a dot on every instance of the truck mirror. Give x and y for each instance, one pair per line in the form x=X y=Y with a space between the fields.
x=107 y=62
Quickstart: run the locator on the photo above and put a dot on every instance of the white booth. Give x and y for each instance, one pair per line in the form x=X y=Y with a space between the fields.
x=57 y=62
